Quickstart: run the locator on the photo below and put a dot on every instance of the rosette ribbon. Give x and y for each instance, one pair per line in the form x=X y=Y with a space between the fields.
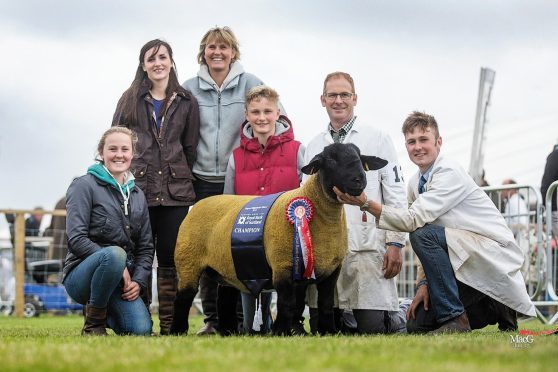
x=299 y=213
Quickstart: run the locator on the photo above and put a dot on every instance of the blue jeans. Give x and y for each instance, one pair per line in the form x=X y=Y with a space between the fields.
x=429 y=244
x=249 y=309
x=96 y=281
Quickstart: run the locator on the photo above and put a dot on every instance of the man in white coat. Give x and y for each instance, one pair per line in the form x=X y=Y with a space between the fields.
x=460 y=237
x=366 y=283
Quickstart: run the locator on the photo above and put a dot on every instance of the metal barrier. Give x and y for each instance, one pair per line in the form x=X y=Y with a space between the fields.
x=540 y=265
x=522 y=208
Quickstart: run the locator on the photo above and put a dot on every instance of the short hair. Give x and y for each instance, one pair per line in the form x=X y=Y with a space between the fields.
x=509 y=181
x=259 y=92
x=421 y=120
x=118 y=129
x=219 y=34
x=337 y=75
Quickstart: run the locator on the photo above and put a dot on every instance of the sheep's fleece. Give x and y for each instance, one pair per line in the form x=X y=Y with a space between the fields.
x=204 y=239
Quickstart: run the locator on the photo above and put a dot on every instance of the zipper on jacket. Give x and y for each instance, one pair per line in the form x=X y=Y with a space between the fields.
x=218 y=130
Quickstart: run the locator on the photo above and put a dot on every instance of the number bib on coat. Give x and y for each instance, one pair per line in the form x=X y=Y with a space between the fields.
x=247 y=247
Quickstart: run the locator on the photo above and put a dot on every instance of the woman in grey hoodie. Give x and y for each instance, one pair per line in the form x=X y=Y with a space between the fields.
x=220 y=89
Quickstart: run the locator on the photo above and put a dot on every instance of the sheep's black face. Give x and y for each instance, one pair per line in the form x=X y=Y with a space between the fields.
x=341 y=165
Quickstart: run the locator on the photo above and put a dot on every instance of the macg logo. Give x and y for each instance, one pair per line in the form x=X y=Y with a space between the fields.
x=520 y=341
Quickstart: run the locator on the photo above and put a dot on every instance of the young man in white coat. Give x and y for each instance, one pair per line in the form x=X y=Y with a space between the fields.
x=468 y=253
x=366 y=283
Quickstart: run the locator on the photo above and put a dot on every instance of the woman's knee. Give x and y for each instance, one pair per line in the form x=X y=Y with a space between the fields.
x=114 y=255
x=142 y=328
x=139 y=324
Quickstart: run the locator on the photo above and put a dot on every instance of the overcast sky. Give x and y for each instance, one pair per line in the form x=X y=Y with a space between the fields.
x=66 y=63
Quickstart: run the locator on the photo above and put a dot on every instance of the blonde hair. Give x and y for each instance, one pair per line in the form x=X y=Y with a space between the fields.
x=259 y=92
x=108 y=132
x=219 y=34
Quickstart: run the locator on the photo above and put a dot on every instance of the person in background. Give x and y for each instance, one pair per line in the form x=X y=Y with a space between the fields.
x=110 y=247
x=470 y=275
x=267 y=161
x=516 y=211
x=33 y=223
x=549 y=176
x=57 y=230
x=366 y=289
x=166 y=119
x=220 y=88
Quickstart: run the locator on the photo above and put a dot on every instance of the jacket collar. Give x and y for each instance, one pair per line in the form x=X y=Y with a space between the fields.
x=206 y=82
x=283 y=133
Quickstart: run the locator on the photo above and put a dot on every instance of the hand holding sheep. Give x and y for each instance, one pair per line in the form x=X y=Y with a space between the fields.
x=393 y=259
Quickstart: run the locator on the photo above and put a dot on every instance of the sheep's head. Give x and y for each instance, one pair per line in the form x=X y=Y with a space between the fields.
x=343 y=166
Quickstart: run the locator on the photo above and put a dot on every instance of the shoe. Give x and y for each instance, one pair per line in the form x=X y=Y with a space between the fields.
x=458 y=324
x=207 y=330
x=507 y=318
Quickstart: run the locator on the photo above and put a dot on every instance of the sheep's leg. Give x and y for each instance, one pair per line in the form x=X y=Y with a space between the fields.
x=326 y=289
x=227 y=298
x=286 y=304
x=182 y=304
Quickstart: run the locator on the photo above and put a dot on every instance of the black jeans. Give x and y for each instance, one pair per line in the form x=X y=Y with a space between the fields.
x=480 y=308
x=208 y=286
x=165 y=222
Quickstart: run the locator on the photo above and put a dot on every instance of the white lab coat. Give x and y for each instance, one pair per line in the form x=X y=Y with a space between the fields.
x=361 y=283
x=481 y=247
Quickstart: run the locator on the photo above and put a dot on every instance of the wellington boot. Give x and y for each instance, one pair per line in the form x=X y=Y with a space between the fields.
x=167 y=283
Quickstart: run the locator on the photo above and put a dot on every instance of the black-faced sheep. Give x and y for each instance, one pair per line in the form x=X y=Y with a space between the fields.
x=204 y=239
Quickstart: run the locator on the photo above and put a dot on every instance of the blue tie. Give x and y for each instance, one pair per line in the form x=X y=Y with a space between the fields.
x=422 y=182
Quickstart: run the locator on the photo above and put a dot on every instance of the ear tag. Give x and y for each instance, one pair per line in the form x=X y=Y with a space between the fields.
x=366 y=167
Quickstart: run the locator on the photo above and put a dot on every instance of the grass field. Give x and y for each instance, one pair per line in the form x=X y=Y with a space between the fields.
x=50 y=343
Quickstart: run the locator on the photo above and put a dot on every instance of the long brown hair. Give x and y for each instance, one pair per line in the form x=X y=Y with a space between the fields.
x=131 y=109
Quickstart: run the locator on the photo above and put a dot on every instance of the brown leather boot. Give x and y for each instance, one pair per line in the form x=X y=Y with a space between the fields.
x=458 y=324
x=95 y=321
x=167 y=284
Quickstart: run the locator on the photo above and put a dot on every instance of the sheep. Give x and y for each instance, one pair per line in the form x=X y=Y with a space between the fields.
x=204 y=239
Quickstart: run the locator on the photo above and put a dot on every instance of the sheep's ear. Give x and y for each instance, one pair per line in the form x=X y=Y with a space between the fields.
x=372 y=162
x=314 y=165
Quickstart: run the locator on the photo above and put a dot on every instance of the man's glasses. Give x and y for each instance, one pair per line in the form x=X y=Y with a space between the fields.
x=333 y=96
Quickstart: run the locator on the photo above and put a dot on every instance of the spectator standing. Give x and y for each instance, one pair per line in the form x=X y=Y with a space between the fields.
x=166 y=119
x=220 y=88
x=267 y=161
x=366 y=284
x=549 y=176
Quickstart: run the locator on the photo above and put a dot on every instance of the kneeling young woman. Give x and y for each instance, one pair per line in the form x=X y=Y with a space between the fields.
x=110 y=247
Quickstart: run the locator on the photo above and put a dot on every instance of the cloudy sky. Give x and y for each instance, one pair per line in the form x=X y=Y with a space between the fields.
x=66 y=63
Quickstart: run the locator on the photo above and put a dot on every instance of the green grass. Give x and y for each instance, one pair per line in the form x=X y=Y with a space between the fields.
x=53 y=343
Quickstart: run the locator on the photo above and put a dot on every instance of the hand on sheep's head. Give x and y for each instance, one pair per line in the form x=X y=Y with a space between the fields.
x=346 y=198
x=360 y=201
x=342 y=166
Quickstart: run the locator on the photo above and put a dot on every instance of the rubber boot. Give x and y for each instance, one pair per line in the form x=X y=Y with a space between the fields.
x=95 y=321
x=167 y=283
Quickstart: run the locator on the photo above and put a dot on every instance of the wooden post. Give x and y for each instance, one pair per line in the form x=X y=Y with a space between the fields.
x=19 y=251
x=19 y=260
